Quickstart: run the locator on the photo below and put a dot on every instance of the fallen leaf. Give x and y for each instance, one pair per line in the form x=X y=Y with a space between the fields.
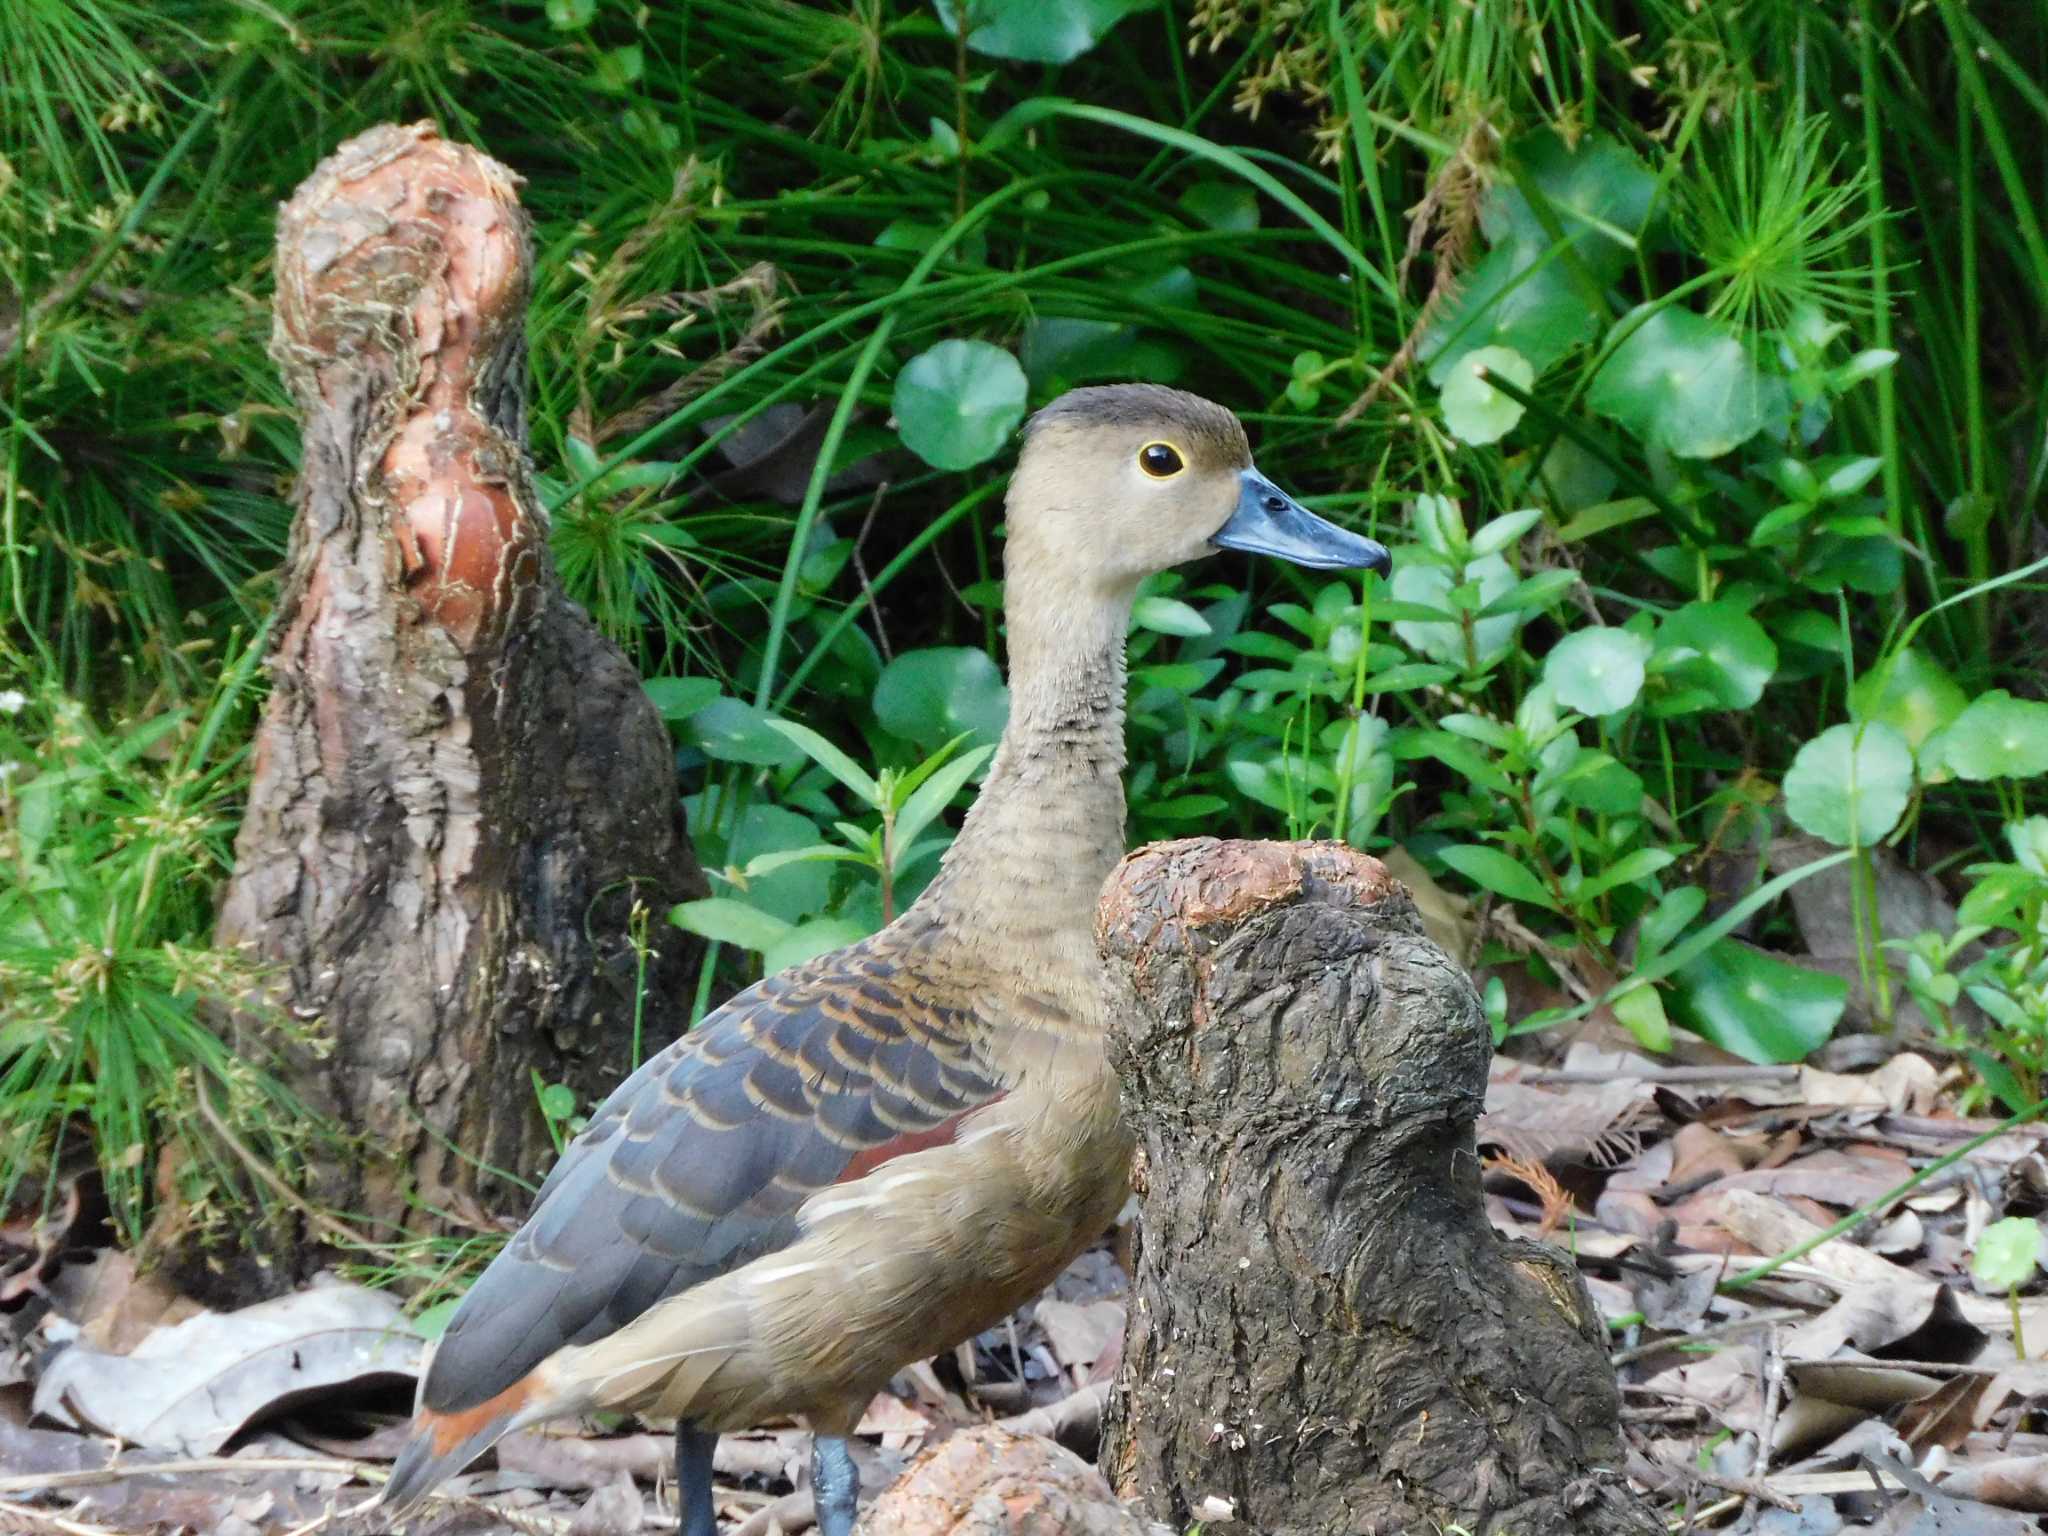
x=2013 y=1482
x=193 y=1386
x=1080 y=1334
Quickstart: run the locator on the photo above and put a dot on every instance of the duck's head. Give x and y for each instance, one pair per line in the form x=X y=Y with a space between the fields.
x=1123 y=480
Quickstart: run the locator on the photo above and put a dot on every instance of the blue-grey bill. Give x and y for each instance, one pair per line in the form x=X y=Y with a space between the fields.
x=1268 y=521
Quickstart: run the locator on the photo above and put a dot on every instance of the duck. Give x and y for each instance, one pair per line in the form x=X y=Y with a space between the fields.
x=865 y=1159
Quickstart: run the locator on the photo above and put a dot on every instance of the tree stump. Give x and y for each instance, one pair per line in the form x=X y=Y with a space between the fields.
x=460 y=789
x=1325 y=1335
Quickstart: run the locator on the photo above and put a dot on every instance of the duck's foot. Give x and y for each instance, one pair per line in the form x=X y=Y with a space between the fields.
x=693 y=1480
x=835 y=1484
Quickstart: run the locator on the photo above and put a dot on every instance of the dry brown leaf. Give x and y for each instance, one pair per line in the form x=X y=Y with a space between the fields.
x=1080 y=1334
x=1446 y=916
x=1591 y=1122
x=897 y=1423
x=191 y=1387
x=2011 y=1482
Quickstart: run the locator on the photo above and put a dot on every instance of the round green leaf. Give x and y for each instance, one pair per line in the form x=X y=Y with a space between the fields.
x=571 y=15
x=930 y=696
x=678 y=698
x=1997 y=737
x=2007 y=1253
x=733 y=731
x=558 y=1101
x=957 y=403
x=790 y=891
x=1684 y=383
x=1910 y=692
x=1037 y=31
x=1597 y=671
x=1474 y=410
x=1736 y=658
x=1850 y=784
x=1756 y=1005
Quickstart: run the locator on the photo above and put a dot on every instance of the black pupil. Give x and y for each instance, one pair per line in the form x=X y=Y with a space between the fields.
x=1160 y=459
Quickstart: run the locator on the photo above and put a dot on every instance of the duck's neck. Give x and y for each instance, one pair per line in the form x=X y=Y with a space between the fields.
x=1048 y=826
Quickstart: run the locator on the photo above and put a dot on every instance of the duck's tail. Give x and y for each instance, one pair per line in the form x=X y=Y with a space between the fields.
x=443 y=1443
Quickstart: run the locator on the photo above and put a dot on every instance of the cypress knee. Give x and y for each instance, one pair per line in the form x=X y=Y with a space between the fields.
x=1325 y=1333
x=460 y=789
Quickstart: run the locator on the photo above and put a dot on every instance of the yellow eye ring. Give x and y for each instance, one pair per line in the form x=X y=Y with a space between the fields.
x=1162 y=461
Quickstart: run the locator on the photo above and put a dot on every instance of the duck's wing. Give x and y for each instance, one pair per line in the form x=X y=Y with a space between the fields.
x=697 y=1163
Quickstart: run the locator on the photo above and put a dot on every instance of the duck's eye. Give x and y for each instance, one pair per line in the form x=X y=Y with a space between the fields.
x=1160 y=460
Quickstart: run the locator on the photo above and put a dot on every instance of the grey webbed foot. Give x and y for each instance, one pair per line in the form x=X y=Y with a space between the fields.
x=835 y=1483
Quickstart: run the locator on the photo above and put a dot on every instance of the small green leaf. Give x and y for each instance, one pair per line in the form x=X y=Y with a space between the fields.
x=1168 y=616
x=1756 y=1005
x=558 y=1101
x=1036 y=31
x=1661 y=926
x=957 y=403
x=1735 y=657
x=1229 y=205
x=570 y=15
x=1627 y=870
x=810 y=940
x=1597 y=671
x=2007 y=1253
x=734 y=731
x=1532 y=594
x=1641 y=1010
x=1267 y=783
x=619 y=69
x=1997 y=737
x=1474 y=410
x=1494 y=870
x=935 y=794
x=433 y=1322
x=1850 y=784
x=831 y=759
x=1683 y=383
x=678 y=698
x=929 y=696
x=1910 y=692
x=1493 y=537
x=726 y=921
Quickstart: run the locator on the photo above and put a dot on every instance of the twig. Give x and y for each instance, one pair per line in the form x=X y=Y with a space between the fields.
x=277 y=1186
x=860 y=569
x=49 y=1519
x=1663 y=1075
x=1924 y=1367
x=1663 y=1475
x=1718 y=1331
x=116 y=1471
x=1774 y=1382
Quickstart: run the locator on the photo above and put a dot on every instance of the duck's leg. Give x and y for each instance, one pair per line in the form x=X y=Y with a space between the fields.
x=835 y=1484
x=693 y=1480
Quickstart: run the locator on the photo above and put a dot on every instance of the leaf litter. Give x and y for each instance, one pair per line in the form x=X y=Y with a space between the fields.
x=1868 y=1382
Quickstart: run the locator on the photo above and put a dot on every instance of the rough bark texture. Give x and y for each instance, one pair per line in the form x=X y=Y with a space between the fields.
x=460 y=789
x=1325 y=1334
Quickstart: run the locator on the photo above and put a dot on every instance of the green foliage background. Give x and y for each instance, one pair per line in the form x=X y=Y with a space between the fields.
x=1702 y=345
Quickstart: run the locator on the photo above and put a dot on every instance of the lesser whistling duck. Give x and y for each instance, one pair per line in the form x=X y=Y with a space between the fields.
x=865 y=1159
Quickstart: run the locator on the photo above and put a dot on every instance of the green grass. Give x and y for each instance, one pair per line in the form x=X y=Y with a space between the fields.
x=744 y=205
